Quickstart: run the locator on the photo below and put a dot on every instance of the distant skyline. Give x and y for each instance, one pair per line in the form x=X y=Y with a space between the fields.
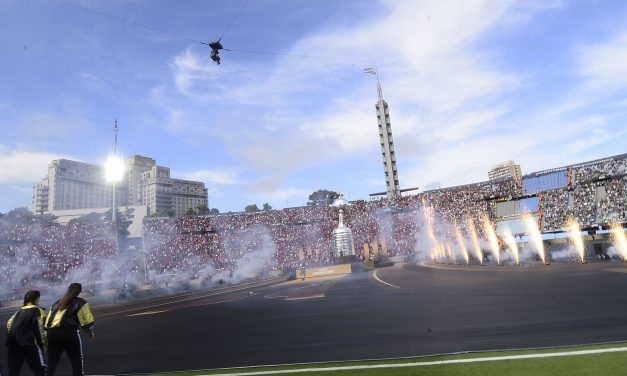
x=469 y=84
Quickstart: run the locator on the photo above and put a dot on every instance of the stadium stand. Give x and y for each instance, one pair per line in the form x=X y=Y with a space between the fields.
x=594 y=193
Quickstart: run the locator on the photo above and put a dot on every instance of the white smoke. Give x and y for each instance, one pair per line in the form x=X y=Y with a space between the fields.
x=256 y=256
x=422 y=248
x=567 y=253
x=615 y=253
x=256 y=262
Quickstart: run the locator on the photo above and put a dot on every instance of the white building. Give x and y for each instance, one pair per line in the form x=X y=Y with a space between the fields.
x=507 y=169
x=71 y=185
x=40 y=196
x=135 y=165
x=74 y=185
x=161 y=193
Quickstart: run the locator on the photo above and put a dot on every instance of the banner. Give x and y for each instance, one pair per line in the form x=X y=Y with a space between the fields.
x=324 y=271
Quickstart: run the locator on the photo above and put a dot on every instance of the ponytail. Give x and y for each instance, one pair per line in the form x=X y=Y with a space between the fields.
x=72 y=292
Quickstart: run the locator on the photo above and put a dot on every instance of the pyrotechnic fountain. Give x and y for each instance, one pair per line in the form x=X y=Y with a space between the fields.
x=461 y=244
x=535 y=236
x=438 y=251
x=574 y=234
x=475 y=241
x=511 y=243
x=427 y=212
x=494 y=243
x=619 y=240
x=449 y=252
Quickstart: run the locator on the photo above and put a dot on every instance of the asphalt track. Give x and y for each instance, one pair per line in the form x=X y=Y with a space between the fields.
x=398 y=311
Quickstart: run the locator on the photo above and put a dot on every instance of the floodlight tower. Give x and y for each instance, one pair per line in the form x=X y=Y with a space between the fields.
x=115 y=155
x=393 y=187
x=114 y=170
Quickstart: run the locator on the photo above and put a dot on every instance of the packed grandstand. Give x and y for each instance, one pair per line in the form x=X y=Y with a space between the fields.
x=593 y=193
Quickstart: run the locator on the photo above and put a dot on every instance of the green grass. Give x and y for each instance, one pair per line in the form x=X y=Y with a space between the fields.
x=592 y=364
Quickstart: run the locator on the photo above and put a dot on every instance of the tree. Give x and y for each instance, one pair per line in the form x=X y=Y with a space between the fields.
x=322 y=197
x=88 y=218
x=20 y=216
x=202 y=209
x=251 y=208
x=190 y=211
x=46 y=219
x=122 y=222
x=267 y=207
x=164 y=213
x=214 y=211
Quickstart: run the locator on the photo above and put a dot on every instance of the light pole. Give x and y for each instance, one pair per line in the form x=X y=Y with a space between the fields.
x=114 y=171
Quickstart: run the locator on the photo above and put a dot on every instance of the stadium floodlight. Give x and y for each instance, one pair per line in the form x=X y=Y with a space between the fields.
x=114 y=169
x=114 y=173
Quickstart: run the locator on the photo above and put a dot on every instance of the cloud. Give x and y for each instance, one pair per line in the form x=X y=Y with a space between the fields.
x=604 y=65
x=427 y=56
x=92 y=81
x=279 y=196
x=22 y=188
x=271 y=189
x=264 y=184
x=46 y=128
x=376 y=182
x=453 y=97
x=22 y=165
x=213 y=177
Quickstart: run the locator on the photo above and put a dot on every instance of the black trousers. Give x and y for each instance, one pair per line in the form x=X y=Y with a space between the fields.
x=31 y=354
x=68 y=340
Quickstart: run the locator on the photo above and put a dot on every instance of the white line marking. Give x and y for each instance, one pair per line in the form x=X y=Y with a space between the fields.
x=432 y=363
x=425 y=265
x=382 y=281
x=149 y=313
x=314 y=296
x=471 y=268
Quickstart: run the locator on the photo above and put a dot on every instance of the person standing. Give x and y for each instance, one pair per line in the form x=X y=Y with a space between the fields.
x=65 y=317
x=26 y=337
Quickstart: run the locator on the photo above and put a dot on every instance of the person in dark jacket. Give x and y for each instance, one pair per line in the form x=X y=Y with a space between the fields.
x=65 y=317
x=26 y=338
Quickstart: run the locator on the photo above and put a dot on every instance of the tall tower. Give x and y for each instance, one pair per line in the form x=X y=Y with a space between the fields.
x=387 y=142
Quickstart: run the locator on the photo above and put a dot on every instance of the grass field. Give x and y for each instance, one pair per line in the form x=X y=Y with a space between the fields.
x=612 y=363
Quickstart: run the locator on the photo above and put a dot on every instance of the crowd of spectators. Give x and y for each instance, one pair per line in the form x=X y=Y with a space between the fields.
x=595 y=194
x=594 y=170
x=290 y=236
x=304 y=234
x=283 y=240
x=36 y=253
x=614 y=205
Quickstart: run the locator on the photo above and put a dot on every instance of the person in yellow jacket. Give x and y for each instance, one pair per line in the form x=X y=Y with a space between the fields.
x=65 y=317
x=26 y=338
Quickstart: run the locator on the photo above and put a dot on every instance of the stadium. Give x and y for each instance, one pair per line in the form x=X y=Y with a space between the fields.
x=242 y=101
x=415 y=285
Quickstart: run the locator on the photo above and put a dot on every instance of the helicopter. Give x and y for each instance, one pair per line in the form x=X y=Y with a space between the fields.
x=216 y=46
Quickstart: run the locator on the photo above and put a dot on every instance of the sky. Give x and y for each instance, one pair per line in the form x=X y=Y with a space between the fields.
x=290 y=111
